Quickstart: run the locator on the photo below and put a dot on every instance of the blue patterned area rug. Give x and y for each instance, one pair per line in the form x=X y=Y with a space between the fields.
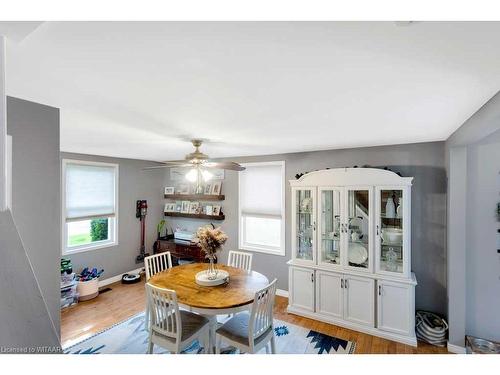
x=130 y=337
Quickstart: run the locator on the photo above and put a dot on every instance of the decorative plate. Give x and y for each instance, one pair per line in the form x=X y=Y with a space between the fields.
x=202 y=279
x=357 y=253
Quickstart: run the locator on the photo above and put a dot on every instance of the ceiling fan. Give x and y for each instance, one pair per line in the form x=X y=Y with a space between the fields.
x=199 y=162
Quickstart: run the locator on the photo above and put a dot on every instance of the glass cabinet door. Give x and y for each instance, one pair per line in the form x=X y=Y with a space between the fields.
x=357 y=228
x=390 y=230
x=330 y=237
x=305 y=225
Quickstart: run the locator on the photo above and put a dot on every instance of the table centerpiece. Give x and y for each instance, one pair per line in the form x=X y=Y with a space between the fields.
x=210 y=240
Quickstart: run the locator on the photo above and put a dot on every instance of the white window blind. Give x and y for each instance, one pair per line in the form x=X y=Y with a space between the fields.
x=261 y=208
x=90 y=191
x=261 y=189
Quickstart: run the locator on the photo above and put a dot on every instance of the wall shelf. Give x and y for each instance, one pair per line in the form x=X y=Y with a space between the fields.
x=195 y=216
x=195 y=197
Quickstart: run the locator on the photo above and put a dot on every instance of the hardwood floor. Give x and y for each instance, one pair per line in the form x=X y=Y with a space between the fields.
x=89 y=317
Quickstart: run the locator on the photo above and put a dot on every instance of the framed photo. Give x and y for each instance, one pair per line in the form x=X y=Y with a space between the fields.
x=216 y=210
x=169 y=207
x=183 y=189
x=193 y=207
x=185 y=207
x=169 y=190
x=216 y=188
x=208 y=189
x=178 y=206
x=208 y=210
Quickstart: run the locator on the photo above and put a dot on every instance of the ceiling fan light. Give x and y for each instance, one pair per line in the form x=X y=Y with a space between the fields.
x=192 y=175
x=207 y=175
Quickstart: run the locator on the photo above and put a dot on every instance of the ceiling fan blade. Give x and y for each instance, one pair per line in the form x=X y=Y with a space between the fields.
x=170 y=164
x=224 y=165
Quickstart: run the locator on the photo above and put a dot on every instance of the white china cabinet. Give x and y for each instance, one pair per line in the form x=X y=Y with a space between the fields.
x=351 y=253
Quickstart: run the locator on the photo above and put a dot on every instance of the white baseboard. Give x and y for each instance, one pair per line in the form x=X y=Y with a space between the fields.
x=404 y=339
x=116 y=278
x=282 y=293
x=455 y=349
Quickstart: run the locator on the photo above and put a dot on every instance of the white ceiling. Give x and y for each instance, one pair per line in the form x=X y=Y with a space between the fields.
x=141 y=89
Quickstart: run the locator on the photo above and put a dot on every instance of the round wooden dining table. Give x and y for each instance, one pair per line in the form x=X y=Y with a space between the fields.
x=234 y=296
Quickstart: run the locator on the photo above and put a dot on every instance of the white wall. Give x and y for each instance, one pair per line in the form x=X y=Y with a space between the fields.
x=467 y=178
x=482 y=259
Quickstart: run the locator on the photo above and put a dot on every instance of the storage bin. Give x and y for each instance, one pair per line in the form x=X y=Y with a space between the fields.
x=88 y=289
x=67 y=279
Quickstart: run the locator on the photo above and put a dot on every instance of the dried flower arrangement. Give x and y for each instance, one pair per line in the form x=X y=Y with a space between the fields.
x=211 y=240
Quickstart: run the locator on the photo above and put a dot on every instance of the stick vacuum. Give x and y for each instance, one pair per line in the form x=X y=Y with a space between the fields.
x=140 y=213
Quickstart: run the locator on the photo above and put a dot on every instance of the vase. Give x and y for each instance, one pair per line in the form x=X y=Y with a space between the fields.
x=391 y=258
x=212 y=269
x=390 y=208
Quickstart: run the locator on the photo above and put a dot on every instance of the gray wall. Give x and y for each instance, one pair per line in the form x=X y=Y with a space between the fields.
x=464 y=226
x=23 y=312
x=424 y=161
x=134 y=184
x=36 y=192
x=456 y=243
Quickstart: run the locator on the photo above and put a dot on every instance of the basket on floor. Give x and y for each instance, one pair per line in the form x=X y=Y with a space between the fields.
x=431 y=328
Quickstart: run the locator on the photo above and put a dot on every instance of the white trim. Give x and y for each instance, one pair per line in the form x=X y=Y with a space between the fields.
x=117 y=278
x=263 y=249
x=8 y=182
x=408 y=340
x=457 y=349
x=351 y=176
x=282 y=293
x=113 y=223
x=89 y=247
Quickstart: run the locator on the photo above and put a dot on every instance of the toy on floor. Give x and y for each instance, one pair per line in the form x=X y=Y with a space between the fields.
x=88 y=274
x=66 y=266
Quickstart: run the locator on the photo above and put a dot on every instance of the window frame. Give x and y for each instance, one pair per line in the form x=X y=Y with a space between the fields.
x=241 y=216
x=113 y=223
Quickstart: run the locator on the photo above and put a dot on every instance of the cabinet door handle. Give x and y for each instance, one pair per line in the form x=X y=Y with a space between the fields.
x=380 y=290
x=342 y=283
x=346 y=285
x=312 y=277
x=377 y=229
x=314 y=226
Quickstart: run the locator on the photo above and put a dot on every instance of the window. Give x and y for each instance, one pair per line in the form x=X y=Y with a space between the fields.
x=262 y=207
x=89 y=205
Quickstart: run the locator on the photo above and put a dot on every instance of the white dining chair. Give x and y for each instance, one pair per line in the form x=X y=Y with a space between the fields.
x=171 y=328
x=250 y=332
x=154 y=264
x=157 y=263
x=239 y=259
